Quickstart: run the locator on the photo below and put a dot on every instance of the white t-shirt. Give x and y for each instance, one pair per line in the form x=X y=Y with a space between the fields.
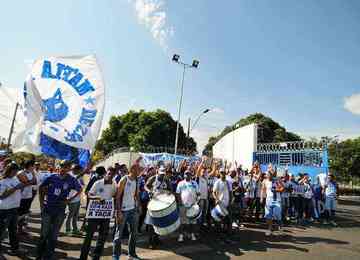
x=188 y=192
x=250 y=186
x=270 y=195
x=13 y=201
x=223 y=189
x=128 y=202
x=73 y=192
x=308 y=194
x=203 y=187
x=27 y=191
x=102 y=190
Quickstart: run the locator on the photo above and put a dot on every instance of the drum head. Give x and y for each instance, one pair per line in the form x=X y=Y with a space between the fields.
x=193 y=211
x=161 y=201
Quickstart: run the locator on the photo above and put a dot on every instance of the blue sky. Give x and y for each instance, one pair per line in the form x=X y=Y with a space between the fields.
x=295 y=61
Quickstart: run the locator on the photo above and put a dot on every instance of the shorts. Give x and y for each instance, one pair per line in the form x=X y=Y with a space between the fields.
x=330 y=203
x=272 y=210
x=183 y=219
x=285 y=202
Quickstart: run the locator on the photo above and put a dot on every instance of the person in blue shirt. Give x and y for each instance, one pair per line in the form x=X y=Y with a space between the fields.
x=53 y=196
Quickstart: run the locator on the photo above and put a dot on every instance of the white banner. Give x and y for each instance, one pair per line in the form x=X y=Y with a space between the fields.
x=100 y=209
x=71 y=93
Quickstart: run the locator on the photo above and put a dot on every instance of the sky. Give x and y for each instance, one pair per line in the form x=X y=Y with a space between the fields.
x=295 y=61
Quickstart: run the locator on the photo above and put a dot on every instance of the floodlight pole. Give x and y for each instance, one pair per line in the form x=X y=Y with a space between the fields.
x=185 y=66
x=180 y=105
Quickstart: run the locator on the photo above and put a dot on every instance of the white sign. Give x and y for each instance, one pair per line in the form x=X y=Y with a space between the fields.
x=64 y=97
x=100 y=209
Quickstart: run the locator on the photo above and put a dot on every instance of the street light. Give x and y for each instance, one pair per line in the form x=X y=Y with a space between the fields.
x=196 y=121
x=194 y=65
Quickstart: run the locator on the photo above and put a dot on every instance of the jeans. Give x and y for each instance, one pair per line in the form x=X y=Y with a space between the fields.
x=299 y=207
x=130 y=217
x=204 y=205
x=50 y=227
x=9 y=220
x=74 y=209
x=100 y=225
x=308 y=208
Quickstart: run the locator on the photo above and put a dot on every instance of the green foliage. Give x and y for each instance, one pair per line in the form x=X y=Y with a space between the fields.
x=142 y=130
x=268 y=131
x=345 y=158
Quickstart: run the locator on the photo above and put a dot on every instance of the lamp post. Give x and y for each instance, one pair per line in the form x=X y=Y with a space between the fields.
x=194 y=65
x=196 y=121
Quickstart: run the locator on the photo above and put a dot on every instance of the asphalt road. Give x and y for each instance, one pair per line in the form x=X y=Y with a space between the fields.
x=313 y=242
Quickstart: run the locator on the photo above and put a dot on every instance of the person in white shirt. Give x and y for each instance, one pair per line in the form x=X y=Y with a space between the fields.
x=202 y=181
x=126 y=210
x=285 y=197
x=222 y=192
x=28 y=178
x=249 y=182
x=331 y=193
x=187 y=192
x=271 y=192
x=74 y=204
x=10 y=196
x=102 y=190
x=308 y=195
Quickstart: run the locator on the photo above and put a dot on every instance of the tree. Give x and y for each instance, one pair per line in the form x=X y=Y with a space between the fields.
x=143 y=130
x=268 y=131
x=344 y=158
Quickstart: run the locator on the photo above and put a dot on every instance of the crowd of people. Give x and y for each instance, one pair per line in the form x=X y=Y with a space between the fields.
x=245 y=196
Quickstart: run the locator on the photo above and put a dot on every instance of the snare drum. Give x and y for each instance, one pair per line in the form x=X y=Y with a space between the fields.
x=219 y=213
x=194 y=212
x=163 y=214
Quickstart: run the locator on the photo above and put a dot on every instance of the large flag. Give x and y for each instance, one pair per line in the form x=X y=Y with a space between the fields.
x=64 y=105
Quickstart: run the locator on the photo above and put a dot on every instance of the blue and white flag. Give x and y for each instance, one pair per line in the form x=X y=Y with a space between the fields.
x=64 y=102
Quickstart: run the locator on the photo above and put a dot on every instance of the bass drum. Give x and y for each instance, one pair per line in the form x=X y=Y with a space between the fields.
x=163 y=214
x=194 y=212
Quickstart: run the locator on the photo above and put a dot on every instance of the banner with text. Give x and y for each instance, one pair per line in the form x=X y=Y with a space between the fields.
x=100 y=209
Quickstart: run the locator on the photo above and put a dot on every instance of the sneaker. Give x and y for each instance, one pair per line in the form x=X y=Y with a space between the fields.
x=134 y=257
x=181 y=238
x=280 y=231
x=326 y=222
x=333 y=223
x=193 y=237
x=268 y=233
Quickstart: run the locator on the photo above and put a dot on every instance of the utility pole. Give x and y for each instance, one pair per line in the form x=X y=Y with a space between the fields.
x=12 y=126
x=188 y=128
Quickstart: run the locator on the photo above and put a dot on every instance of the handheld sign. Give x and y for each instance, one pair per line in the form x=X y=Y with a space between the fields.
x=100 y=209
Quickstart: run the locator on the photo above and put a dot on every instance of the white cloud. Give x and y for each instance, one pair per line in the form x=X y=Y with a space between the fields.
x=352 y=104
x=152 y=15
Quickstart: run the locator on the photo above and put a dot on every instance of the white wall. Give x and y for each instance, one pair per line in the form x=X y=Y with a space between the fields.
x=238 y=145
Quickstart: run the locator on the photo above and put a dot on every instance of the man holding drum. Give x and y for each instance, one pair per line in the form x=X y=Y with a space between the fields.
x=187 y=193
x=156 y=184
x=222 y=193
